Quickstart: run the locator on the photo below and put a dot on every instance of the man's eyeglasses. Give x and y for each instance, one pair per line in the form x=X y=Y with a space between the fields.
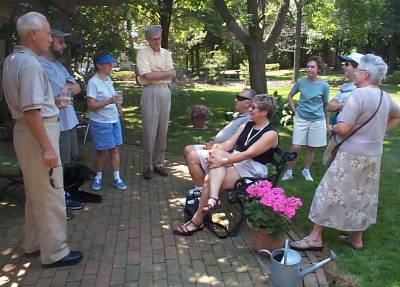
x=346 y=64
x=241 y=98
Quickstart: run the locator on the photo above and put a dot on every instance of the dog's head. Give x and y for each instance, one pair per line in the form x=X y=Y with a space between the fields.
x=76 y=174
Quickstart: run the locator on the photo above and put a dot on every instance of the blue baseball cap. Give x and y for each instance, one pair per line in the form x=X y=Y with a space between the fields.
x=105 y=59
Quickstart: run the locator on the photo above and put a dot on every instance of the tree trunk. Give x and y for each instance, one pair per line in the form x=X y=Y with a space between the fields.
x=392 y=54
x=297 y=49
x=197 y=49
x=325 y=52
x=253 y=41
x=257 y=57
x=165 y=20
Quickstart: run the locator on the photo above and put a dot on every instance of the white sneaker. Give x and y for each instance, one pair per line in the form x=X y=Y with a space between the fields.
x=307 y=175
x=288 y=175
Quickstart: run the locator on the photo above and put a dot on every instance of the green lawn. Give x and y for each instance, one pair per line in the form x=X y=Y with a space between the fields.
x=376 y=265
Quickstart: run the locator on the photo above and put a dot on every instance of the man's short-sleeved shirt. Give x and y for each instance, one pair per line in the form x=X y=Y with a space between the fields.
x=229 y=130
x=313 y=95
x=100 y=91
x=148 y=61
x=58 y=76
x=344 y=92
x=26 y=86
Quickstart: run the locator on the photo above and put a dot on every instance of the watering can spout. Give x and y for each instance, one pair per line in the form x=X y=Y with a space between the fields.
x=315 y=266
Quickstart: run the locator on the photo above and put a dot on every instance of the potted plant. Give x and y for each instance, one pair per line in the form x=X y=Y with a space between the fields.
x=198 y=114
x=269 y=211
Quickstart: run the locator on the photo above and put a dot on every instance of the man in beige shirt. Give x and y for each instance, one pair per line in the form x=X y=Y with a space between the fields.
x=156 y=71
x=36 y=134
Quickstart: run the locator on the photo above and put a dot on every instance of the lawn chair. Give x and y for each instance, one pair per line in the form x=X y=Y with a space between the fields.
x=235 y=198
x=83 y=124
x=10 y=171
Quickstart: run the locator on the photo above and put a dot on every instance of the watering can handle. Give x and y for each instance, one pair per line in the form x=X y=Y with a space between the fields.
x=260 y=261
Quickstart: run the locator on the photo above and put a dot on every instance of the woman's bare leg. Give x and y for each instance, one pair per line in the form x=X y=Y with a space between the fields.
x=231 y=176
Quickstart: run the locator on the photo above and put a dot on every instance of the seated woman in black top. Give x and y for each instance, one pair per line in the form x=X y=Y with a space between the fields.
x=253 y=144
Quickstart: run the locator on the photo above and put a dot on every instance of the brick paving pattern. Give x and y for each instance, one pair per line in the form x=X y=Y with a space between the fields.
x=127 y=240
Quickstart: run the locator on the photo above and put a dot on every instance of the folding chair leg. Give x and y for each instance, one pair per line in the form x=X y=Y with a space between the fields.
x=86 y=133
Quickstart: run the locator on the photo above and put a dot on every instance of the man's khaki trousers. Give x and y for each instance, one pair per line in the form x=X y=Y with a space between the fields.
x=155 y=108
x=45 y=218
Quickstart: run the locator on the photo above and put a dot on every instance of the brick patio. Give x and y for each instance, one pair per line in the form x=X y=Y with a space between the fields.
x=127 y=240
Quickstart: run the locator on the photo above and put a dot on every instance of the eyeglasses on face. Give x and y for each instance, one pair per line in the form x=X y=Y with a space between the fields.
x=241 y=98
x=353 y=64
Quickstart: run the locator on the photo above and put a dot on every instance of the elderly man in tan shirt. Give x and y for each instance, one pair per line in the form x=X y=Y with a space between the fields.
x=156 y=71
x=36 y=133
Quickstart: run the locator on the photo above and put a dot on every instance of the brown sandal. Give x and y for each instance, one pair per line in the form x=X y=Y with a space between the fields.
x=346 y=239
x=305 y=245
x=210 y=207
x=184 y=231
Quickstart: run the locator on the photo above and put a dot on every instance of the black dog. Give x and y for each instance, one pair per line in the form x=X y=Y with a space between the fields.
x=75 y=175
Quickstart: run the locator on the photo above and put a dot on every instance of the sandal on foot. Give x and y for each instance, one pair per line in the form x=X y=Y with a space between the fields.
x=184 y=231
x=346 y=239
x=210 y=207
x=305 y=245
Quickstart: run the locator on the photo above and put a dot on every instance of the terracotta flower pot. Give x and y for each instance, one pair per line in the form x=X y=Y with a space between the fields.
x=261 y=239
x=198 y=122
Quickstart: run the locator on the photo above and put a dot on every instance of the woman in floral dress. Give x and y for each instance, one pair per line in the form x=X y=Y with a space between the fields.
x=347 y=196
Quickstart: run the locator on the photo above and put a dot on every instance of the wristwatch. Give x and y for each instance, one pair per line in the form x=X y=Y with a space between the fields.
x=224 y=160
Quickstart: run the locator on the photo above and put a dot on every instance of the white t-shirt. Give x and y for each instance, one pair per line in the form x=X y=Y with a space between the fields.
x=100 y=91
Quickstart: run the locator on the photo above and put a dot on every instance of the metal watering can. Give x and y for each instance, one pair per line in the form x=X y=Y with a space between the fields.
x=285 y=266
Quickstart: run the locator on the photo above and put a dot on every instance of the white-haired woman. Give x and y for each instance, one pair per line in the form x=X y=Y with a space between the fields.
x=347 y=196
x=253 y=143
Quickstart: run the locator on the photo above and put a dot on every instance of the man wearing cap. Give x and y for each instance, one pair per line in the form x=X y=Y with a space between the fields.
x=350 y=63
x=36 y=142
x=62 y=82
x=196 y=155
x=156 y=71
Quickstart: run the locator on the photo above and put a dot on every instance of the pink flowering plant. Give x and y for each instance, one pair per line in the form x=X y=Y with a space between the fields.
x=268 y=207
x=199 y=111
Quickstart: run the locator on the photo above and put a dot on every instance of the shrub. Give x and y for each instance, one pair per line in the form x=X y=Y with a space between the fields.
x=215 y=64
x=283 y=115
x=272 y=67
x=393 y=79
x=123 y=75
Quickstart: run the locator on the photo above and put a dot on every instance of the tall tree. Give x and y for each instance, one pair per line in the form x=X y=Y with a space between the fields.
x=297 y=46
x=257 y=40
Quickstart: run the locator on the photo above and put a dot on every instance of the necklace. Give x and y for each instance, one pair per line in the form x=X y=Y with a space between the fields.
x=251 y=131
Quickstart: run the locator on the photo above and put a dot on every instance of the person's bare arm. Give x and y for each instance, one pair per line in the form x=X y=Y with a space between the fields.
x=334 y=105
x=291 y=103
x=342 y=129
x=35 y=123
x=267 y=141
x=394 y=120
x=93 y=105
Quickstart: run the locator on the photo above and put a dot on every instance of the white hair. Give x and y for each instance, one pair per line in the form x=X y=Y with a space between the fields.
x=30 y=21
x=375 y=66
x=152 y=29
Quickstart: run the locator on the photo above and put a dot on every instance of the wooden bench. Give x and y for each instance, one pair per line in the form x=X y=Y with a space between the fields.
x=233 y=200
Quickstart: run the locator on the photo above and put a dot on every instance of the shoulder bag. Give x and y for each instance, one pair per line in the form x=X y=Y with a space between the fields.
x=333 y=146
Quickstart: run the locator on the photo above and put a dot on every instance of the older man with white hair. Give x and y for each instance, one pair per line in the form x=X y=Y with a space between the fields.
x=156 y=71
x=36 y=142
